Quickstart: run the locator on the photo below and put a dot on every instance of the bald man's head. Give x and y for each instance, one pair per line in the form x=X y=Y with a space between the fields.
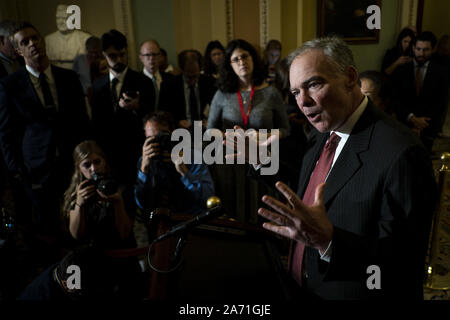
x=149 y=54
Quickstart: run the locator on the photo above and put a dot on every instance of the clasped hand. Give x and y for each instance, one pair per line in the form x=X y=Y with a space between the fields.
x=297 y=221
x=420 y=123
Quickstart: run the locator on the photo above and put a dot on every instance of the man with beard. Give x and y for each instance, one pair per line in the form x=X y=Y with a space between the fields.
x=120 y=99
x=422 y=86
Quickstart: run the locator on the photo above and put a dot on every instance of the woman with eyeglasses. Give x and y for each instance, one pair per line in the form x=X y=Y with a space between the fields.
x=244 y=99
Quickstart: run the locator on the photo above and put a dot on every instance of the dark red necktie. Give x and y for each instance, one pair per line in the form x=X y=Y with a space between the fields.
x=318 y=176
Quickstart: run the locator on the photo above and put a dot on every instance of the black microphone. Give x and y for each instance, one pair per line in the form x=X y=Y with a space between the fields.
x=190 y=224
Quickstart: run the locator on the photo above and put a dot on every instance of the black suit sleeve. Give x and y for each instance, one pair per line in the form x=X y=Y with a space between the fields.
x=398 y=241
x=441 y=101
x=164 y=96
x=171 y=98
x=9 y=133
x=85 y=130
x=146 y=95
x=401 y=103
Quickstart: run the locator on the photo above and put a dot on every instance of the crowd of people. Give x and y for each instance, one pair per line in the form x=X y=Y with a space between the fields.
x=86 y=155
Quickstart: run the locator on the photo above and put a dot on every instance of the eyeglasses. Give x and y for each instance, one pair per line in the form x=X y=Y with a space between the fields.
x=148 y=55
x=243 y=57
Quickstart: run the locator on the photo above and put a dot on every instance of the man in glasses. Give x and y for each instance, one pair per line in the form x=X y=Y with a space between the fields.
x=150 y=54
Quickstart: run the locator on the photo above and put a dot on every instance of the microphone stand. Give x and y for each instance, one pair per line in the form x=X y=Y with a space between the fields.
x=178 y=249
x=214 y=206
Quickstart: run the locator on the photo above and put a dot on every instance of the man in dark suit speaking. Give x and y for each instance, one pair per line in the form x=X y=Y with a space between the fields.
x=360 y=220
x=42 y=118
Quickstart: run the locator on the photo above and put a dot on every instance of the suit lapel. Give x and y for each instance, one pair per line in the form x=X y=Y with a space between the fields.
x=428 y=77
x=349 y=161
x=182 y=98
x=412 y=76
x=126 y=83
x=29 y=93
x=59 y=79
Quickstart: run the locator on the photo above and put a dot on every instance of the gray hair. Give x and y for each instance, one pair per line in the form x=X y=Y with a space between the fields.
x=333 y=47
x=7 y=28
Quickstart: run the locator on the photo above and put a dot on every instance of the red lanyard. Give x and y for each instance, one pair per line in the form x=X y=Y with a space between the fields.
x=244 y=115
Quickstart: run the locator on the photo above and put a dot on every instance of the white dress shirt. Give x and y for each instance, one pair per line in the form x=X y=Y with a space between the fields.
x=346 y=129
x=34 y=76
x=120 y=77
x=157 y=77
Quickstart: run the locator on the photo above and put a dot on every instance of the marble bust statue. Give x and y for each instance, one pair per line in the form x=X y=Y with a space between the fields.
x=64 y=44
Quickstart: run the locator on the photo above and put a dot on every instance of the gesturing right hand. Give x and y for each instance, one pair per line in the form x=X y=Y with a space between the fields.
x=85 y=191
x=150 y=150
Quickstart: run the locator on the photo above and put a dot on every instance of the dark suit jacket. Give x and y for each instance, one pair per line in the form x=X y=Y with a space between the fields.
x=29 y=137
x=120 y=132
x=164 y=78
x=380 y=197
x=3 y=72
x=432 y=101
x=172 y=99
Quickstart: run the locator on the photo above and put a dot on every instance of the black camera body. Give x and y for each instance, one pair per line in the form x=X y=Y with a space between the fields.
x=164 y=140
x=105 y=185
x=132 y=94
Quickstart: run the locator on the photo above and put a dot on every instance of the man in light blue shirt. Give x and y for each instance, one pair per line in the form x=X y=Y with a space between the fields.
x=182 y=188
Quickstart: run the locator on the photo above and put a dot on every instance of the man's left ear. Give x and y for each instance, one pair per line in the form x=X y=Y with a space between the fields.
x=352 y=77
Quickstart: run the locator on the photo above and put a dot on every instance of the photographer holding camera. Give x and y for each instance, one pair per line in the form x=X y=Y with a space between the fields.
x=182 y=188
x=100 y=216
x=94 y=204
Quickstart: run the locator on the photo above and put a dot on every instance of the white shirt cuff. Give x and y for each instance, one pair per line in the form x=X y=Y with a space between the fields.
x=257 y=166
x=326 y=256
